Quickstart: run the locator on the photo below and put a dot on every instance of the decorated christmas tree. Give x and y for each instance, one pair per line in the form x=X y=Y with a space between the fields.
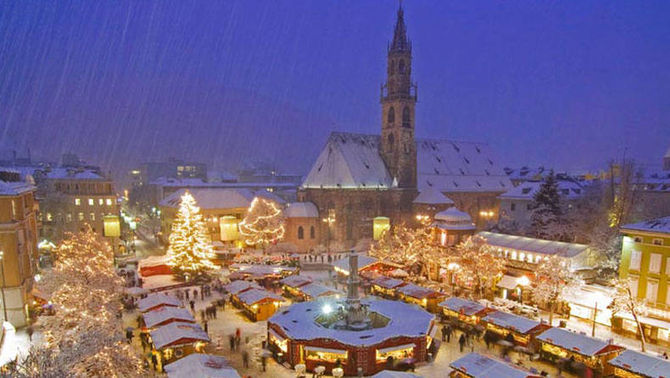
x=263 y=224
x=190 y=253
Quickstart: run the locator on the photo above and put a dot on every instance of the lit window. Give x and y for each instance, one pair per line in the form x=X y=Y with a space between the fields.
x=77 y=201
x=655 y=263
x=92 y=216
x=80 y=216
x=522 y=256
x=109 y=202
x=68 y=217
x=513 y=255
x=530 y=257
x=635 y=258
x=101 y=201
x=658 y=241
x=91 y=202
x=49 y=217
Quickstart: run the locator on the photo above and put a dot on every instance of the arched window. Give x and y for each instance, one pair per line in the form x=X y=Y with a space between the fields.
x=301 y=233
x=401 y=66
x=391 y=142
x=406 y=117
x=312 y=232
x=391 y=115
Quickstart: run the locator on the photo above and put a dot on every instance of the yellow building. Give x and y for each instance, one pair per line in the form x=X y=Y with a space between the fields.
x=645 y=260
x=18 y=244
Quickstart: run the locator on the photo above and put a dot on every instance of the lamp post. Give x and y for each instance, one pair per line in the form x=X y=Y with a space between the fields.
x=2 y=268
x=522 y=282
x=328 y=221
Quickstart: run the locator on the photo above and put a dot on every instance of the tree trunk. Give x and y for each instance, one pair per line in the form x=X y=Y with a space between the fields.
x=639 y=328
x=551 y=313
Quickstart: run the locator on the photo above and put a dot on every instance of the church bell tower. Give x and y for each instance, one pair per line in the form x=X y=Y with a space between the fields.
x=398 y=99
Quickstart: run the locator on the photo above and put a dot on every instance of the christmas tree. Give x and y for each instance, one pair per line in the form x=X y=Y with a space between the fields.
x=190 y=252
x=263 y=224
x=553 y=277
x=546 y=218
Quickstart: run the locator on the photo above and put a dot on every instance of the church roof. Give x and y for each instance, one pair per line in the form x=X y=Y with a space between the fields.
x=432 y=196
x=353 y=161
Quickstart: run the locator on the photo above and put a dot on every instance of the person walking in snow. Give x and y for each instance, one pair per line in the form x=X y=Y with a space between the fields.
x=461 y=341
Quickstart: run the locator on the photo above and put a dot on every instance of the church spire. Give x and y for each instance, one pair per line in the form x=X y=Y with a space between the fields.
x=400 y=41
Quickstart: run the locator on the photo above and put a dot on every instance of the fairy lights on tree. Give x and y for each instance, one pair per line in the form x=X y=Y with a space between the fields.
x=553 y=276
x=479 y=267
x=411 y=247
x=624 y=301
x=263 y=224
x=190 y=253
x=84 y=336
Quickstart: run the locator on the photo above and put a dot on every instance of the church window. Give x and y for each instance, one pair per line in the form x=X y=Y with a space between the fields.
x=401 y=66
x=301 y=233
x=312 y=232
x=391 y=115
x=406 y=117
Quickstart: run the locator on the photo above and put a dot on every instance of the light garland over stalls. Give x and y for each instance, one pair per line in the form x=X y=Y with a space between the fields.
x=263 y=224
x=190 y=253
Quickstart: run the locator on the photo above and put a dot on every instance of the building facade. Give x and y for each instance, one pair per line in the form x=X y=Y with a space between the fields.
x=358 y=177
x=18 y=244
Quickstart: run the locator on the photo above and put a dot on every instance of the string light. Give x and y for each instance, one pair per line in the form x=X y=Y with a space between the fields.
x=263 y=224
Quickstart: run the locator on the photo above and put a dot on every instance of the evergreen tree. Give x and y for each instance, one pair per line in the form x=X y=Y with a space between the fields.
x=546 y=218
x=190 y=252
x=263 y=224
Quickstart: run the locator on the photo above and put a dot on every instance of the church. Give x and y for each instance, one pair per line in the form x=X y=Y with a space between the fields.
x=359 y=177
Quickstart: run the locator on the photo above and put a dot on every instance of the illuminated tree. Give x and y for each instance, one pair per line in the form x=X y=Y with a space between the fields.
x=553 y=276
x=624 y=301
x=263 y=224
x=84 y=336
x=411 y=247
x=190 y=253
x=478 y=265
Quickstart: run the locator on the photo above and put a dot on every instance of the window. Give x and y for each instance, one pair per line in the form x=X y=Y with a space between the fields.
x=77 y=201
x=92 y=217
x=68 y=217
x=101 y=201
x=634 y=282
x=638 y=239
x=301 y=233
x=406 y=121
x=391 y=116
x=512 y=206
x=513 y=255
x=530 y=257
x=91 y=202
x=312 y=232
x=657 y=241
x=655 y=263
x=635 y=257
x=652 y=291
x=13 y=209
x=49 y=217
x=109 y=202
x=522 y=256
x=80 y=216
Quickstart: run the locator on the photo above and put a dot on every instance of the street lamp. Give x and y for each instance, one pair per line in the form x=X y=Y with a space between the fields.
x=2 y=268
x=522 y=282
x=328 y=221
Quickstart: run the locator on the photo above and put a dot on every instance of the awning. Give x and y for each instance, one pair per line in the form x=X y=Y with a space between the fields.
x=275 y=334
x=397 y=347
x=325 y=350
x=508 y=282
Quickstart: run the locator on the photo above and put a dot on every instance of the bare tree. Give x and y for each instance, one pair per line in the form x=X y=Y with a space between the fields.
x=625 y=301
x=552 y=277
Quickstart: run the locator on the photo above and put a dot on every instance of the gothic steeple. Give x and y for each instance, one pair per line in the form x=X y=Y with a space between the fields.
x=398 y=98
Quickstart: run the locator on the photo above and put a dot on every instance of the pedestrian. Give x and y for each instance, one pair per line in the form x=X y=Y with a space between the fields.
x=187 y=294
x=214 y=311
x=129 y=335
x=449 y=332
x=264 y=362
x=202 y=315
x=238 y=333
x=665 y=355
x=444 y=333
x=223 y=304
x=202 y=294
x=231 y=342
x=30 y=330
x=461 y=341
x=245 y=359
x=206 y=328
x=195 y=294
x=237 y=343
x=192 y=303
x=154 y=361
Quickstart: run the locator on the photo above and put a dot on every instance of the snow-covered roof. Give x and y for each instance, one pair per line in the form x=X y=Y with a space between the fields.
x=363 y=262
x=567 y=189
x=511 y=321
x=478 y=366
x=298 y=322
x=582 y=344
x=454 y=215
x=295 y=280
x=658 y=225
x=14 y=188
x=395 y=374
x=76 y=174
x=201 y=366
x=240 y=285
x=260 y=270
x=253 y=296
x=522 y=243
x=213 y=198
x=432 y=196
x=353 y=161
x=151 y=261
x=462 y=306
x=388 y=282
x=165 y=313
x=416 y=291
x=301 y=210
x=641 y=363
x=156 y=299
x=526 y=173
x=177 y=333
x=315 y=290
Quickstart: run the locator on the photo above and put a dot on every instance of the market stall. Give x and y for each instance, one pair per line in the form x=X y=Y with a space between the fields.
x=464 y=311
x=258 y=304
x=386 y=286
x=176 y=340
x=633 y=364
x=522 y=329
x=314 y=290
x=422 y=296
x=201 y=365
x=156 y=300
x=475 y=365
x=166 y=315
x=292 y=283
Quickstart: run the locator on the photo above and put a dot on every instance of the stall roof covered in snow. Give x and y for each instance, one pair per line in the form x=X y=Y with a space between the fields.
x=641 y=363
x=177 y=333
x=353 y=161
x=155 y=300
x=658 y=225
x=388 y=282
x=479 y=366
x=201 y=366
x=259 y=270
x=298 y=322
x=301 y=210
x=315 y=290
x=160 y=315
x=213 y=198
x=239 y=286
x=364 y=261
x=253 y=296
x=432 y=196
x=511 y=321
x=522 y=243
x=416 y=291
x=295 y=280
x=582 y=344
x=462 y=306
